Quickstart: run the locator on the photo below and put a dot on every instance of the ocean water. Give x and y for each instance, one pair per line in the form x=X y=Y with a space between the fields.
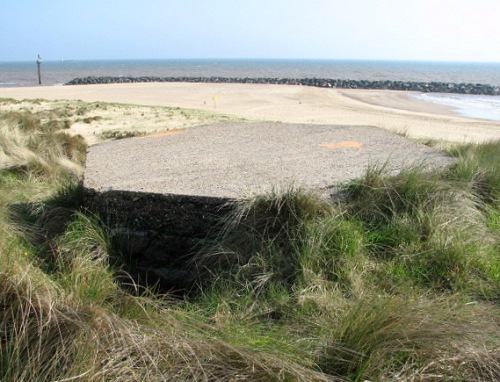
x=15 y=74
x=473 y=106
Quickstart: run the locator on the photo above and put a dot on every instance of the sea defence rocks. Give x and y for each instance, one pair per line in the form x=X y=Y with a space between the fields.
x=426 y=87
x=163 y=194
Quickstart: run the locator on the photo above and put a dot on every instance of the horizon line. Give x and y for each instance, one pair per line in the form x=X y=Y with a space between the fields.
x=255 y=59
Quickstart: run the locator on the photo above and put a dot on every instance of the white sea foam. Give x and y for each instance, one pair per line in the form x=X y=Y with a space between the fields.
x=473 y=106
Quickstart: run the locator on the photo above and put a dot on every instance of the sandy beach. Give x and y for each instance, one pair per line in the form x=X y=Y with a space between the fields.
x=391 y=110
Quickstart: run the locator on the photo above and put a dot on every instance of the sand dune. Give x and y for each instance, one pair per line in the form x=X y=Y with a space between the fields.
x=392 y=110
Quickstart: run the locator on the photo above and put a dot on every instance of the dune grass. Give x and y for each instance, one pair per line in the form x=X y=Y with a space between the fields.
x=101 y=121
x=397 y=279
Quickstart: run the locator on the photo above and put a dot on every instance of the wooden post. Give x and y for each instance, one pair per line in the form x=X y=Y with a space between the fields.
x=39 y=64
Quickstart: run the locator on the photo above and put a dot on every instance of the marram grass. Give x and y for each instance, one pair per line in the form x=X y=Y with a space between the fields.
x=396 y=281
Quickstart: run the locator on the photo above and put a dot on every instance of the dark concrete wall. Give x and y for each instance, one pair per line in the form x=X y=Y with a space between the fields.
x=157 y=231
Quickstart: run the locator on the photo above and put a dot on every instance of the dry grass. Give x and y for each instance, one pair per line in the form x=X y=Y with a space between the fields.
x=98 y=121
x=406 y=340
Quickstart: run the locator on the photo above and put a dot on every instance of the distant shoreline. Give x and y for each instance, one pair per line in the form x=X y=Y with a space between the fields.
x=425 y=87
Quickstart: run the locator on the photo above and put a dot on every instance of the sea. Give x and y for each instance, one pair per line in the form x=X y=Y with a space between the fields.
x=56 y=73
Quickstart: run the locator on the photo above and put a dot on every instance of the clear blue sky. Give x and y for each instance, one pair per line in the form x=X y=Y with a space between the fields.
x=440 y=30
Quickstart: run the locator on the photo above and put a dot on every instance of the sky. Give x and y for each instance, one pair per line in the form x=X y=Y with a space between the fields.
x=429 y=30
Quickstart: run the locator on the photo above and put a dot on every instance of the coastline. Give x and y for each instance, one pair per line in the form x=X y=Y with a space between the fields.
x=389 y=109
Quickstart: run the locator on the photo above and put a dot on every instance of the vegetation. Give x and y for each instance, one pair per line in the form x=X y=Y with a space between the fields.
x=100 y=121
x=397 y=279
x=117 y=134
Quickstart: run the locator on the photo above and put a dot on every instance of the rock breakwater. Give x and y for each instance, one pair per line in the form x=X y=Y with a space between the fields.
x=426 y=87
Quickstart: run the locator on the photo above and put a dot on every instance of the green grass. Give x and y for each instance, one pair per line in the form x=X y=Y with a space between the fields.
x=477 y=170
x=396 y=280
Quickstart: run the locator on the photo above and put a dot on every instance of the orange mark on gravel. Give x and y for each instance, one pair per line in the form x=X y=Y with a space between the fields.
x=157 y=135
x=348 y=144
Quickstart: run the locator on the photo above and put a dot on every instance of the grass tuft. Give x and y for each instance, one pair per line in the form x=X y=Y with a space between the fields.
x=400 y=339
x=478 y=168
x=257 y=246
x=432 y=231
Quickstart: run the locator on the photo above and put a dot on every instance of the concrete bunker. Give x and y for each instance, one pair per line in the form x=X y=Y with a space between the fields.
x=163 y=193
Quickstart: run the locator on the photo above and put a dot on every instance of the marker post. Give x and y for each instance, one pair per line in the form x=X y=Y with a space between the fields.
x=39 y=64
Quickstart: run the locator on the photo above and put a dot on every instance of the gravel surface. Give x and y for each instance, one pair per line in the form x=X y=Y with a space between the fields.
x=232 y=160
